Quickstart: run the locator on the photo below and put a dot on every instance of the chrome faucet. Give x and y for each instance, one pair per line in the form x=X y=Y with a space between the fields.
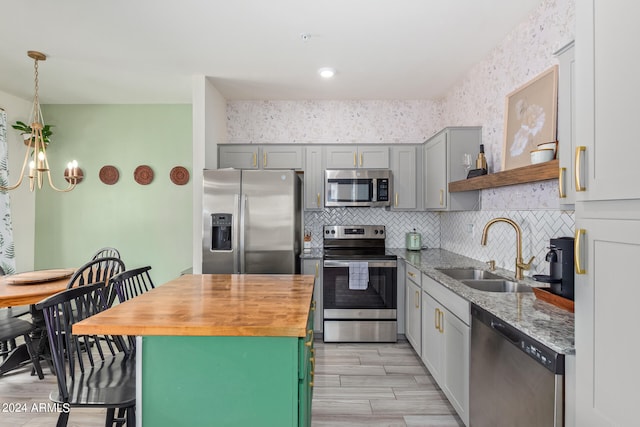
x=520 y=265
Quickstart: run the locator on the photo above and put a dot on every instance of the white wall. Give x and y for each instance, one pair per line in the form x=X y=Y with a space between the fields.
x=23 y=202
x=209 y=129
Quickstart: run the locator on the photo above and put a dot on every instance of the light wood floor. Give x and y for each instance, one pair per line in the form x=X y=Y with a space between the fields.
x=376 y=385
x=372 y=385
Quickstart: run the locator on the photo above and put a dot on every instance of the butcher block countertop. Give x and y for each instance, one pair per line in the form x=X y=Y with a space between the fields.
x=212 y=305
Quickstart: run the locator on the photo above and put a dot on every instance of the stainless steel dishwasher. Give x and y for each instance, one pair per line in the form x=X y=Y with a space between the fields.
x=514 y=379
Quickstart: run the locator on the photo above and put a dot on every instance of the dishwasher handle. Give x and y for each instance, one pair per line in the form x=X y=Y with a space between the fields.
x=504 y=331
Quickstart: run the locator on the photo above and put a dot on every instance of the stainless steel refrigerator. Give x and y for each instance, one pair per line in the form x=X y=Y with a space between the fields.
x=252 y=221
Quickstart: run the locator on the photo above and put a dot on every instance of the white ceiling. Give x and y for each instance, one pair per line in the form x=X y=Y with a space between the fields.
x=146 y=51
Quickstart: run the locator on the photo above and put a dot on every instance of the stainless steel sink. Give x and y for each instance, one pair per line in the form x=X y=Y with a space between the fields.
x=497 y=285
x=468 y=274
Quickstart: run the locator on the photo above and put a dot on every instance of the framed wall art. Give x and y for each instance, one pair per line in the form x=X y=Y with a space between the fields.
x=530 y=118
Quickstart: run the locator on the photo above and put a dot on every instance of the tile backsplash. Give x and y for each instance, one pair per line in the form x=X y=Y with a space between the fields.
x=458 y=232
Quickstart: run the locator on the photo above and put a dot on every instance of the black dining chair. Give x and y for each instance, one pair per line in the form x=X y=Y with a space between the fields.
x=106 y=252
x=132 y=283
x=98 y=270
x=91 y=371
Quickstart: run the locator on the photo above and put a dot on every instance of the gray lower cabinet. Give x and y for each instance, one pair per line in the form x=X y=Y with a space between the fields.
x=443 y=155
x=446 y=341
x=313 y=266
x=412 y=308
x=406 y=167
x=264 y=156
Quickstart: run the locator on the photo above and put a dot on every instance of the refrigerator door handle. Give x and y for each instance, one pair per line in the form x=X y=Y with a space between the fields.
x=243 y=210
x=236 y=232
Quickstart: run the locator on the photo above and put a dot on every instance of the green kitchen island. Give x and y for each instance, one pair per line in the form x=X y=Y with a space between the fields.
x=220 y=350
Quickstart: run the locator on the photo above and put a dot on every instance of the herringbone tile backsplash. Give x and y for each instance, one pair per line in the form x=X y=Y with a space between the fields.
x=459 y=232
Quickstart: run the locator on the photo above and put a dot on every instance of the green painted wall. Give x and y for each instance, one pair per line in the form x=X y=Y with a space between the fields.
x=149 y=224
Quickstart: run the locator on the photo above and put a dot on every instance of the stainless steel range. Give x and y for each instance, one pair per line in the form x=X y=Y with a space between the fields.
x=359 y=285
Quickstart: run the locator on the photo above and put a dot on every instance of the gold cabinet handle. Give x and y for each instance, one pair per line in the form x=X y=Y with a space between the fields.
x=264 y=159
x=355 y=159
x=579 y=150
x=576 y=250
x=441 y=323
x=396 y=200
x=436 y=319
x=417 y=299
x=255 y=159
x=361 y=159
x=318 y=199
x=562 y=193
x=441 y=197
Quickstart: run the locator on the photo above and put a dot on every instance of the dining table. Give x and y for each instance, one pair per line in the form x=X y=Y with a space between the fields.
x=29 y=288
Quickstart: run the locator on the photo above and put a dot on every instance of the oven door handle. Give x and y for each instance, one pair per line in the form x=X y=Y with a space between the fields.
x=345 y=263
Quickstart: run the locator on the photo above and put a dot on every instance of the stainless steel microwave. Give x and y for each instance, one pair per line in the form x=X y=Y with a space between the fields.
x=357 y=187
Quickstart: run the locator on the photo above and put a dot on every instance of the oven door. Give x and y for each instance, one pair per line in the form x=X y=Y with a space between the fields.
x=376 y=299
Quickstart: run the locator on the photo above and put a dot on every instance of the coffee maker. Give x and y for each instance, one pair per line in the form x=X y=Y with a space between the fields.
x=560 y=258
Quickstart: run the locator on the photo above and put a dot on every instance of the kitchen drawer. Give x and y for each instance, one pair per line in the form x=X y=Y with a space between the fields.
x=414 y=274
x=454 y=303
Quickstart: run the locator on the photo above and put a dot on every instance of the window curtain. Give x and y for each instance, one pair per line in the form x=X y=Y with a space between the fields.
x=7 y=254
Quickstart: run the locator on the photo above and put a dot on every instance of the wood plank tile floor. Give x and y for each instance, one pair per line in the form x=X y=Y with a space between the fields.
x=376 y=385
x=373 y=385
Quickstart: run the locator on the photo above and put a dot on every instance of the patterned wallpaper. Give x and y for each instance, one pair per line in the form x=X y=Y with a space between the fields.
x=309 y=122
x=477 y=100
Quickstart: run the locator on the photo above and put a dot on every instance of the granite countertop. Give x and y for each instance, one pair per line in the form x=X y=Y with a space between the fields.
x=540 y=320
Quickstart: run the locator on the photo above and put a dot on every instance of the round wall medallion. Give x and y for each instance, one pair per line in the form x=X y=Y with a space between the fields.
x=143 y=175
x=179 y=175
x=109 y=174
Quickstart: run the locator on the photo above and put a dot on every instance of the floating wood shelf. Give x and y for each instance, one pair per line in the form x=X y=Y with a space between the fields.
x=531 y=173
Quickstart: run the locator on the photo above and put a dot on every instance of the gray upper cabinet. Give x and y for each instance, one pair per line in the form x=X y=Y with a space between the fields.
x=349 y=156
x=266 y=156
x=406 y=166
x=314 y=177
x=443 y=155
x=282 y=157
x=566 y=125
x=238 y=156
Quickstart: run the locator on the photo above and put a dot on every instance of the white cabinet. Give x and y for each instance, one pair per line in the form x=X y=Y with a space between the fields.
x=413 y=308
x=606 y=306
x=607 y=213
x=566 y=125
x=313 y=266
x=406 y=167
x=349 y=156
x=443 y=164
x=607 y=93
x=267 y=156
x=446 y=336
x=314 y=177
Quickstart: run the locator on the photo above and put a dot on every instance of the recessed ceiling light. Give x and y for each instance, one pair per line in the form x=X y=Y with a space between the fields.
x=326 y=72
